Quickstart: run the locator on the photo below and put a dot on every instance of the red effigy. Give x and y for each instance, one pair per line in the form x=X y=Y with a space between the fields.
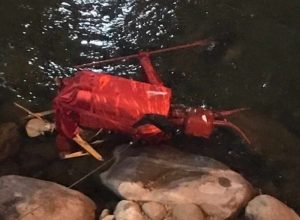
x=139 y=109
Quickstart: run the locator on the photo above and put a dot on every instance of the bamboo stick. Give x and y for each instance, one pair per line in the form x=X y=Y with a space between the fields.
x=86 y=146
x=75 y=154
x=28 y=111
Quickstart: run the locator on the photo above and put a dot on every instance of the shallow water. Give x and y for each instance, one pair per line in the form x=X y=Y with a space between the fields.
x=255 y=65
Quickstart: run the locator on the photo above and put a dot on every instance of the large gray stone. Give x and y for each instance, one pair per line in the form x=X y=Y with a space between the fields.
x=264 y=207
x=31 y=199
x=9 y=140
x=163 y=174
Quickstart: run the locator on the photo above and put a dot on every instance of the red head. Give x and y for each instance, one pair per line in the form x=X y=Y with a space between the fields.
x=199 y=122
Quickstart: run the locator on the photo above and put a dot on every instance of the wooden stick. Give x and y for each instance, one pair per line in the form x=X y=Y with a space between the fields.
x=98 y=142
x=95 y=135
x=41 y=114
x=86 y=146
x=75 y=154
x=28 y=111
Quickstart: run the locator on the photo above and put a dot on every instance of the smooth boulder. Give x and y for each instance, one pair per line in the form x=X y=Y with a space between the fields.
x=32 y=199
x=128 y=210
x=154 y=210
x=169 y=176
x=265 y=207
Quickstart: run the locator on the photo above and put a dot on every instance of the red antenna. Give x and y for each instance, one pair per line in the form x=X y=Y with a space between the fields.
x=202 y=43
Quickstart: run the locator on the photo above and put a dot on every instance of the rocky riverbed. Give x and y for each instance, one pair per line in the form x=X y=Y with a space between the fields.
x=183 y=180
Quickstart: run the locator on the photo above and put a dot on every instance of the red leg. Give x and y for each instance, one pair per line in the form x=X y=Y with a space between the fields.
x=229 y=112
x=150 y=72
x=233 y=127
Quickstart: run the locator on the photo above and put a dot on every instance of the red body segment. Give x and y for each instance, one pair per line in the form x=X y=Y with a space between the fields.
x=100 y=100
x=109 y=102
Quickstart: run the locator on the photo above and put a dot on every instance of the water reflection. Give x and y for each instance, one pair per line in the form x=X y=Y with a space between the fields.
x=259 y=44
x=58 y=35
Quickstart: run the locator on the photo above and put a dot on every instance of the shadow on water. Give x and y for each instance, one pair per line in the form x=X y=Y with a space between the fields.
x=255 y=64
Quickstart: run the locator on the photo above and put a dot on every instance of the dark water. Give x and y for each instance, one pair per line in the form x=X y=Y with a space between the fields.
x=255 y=65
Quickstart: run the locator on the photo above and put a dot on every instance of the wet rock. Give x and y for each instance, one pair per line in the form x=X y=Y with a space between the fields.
x=9 y=140
x=264 y=207
x=104 y=213
x=128 y=210
x=108 y=217
x=32 y=199
x=163 y=174
x=154 y=210
x=187 y=211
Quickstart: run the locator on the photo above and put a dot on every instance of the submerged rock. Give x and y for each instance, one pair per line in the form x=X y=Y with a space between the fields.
x=105 y=215
x=166 y=175
x=280 y=148
x=269 y=137
x=31 y=199
x=264 y=207
x=9 y=140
